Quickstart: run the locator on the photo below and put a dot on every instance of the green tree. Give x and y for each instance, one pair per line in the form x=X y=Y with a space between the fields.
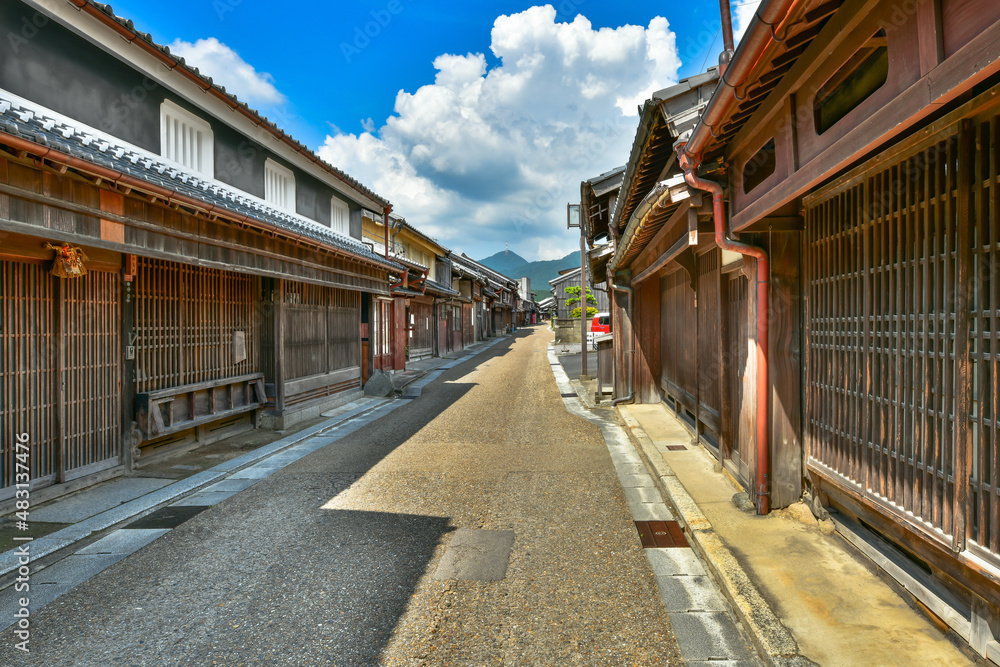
x=573 y=292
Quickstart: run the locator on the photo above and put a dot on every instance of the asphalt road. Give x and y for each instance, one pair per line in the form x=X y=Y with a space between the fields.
x=573 y=364
x=332 y=560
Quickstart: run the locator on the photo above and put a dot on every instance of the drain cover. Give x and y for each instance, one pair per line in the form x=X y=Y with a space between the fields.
x=677 y=448
x=568 y=395
x=168 y=517
x=661 y=534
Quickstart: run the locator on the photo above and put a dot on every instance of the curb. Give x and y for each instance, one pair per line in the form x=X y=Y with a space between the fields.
x=773 y=640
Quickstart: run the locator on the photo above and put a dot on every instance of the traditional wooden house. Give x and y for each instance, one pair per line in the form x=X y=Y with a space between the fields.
x=412 y=313
x=597 y=201
x=844 y=345
x=173 y=267
x=498 y=291
x=571 y=278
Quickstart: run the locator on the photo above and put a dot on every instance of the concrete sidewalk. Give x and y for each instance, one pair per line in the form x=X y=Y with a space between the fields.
x=792 y=582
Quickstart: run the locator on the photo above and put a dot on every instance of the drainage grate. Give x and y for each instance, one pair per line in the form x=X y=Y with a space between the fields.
x=168 y=517
x=573 y=395
x=661 y=534
x=677 y=448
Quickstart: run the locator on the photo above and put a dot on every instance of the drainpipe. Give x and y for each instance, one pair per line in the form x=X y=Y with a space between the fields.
x=631 y=352
x=386 y=210
x=763 y=278
x=727 y=37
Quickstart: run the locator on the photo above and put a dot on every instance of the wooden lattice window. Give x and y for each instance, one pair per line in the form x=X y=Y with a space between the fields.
x=186 y=139
x=194 y=324
x=853 y=83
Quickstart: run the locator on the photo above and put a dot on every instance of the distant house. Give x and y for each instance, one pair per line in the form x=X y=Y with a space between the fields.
x=418 y=295
x=494 y=294
x=571 y=278
x=174 y=268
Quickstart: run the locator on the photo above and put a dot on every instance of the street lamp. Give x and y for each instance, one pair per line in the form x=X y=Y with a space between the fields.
x=573 y=220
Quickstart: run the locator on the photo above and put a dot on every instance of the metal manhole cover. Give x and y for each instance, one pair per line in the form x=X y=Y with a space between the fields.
x=661 y=534
x=168 y=517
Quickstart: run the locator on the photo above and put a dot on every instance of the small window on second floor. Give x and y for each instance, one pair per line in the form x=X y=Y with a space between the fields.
x=852 y=84
x=340 y=216
x=279 y=186
x=759 y=167
x=186 y=139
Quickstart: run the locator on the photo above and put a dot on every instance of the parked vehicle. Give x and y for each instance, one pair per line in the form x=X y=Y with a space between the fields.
x=601 y=323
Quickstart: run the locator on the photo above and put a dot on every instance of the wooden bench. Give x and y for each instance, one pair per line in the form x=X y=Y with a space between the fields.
x=167 y=411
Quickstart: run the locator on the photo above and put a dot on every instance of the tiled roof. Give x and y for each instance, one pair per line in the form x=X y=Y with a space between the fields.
x=51 y=130
x=439 y=288
x=130 y=33
x=487 y=273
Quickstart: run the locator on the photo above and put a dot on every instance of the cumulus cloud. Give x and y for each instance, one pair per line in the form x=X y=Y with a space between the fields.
x=227 y=68
x=484 y=156
x=742 y=16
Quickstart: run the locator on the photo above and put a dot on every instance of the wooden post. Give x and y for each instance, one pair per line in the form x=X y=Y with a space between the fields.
x=963 y=386
x=127 y=353
x=60 y=304
x=278 y=296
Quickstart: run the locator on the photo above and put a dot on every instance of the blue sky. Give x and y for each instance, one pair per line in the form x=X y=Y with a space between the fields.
x=479 y=129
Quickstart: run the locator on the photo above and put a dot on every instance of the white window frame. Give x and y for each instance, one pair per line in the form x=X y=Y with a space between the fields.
x=279 y=186
x=340 y=216
x=186 y=139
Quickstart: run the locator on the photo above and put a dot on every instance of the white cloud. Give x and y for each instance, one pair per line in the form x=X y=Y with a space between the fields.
x=483 y=156
x=743 y=15
x=227 y=68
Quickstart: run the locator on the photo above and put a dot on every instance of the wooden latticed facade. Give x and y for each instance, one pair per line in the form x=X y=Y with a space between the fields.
x=54 y=330
x=877 y=206
x=187 y=320
x=901 y=333
x=204 y=308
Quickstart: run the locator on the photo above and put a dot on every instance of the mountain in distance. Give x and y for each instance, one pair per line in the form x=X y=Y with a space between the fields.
x=507 y=263
x=513 y=265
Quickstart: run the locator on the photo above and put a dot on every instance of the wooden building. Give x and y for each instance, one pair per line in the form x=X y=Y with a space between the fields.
x=173 y=267
x=414 y=309
x=571 y=278
x=844 y=346
x=494 y=296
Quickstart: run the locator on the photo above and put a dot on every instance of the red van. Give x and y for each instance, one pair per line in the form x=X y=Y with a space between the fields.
x=601 y=323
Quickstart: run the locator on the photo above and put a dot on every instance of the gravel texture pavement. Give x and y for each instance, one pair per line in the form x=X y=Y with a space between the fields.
x=332 y=560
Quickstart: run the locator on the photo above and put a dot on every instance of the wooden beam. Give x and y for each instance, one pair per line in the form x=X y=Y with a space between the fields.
x=777 y=223
x=973 y=63
x=963 y=298
x=676 y=249
x=835 y=32
x=661 y=236
x=278 y=299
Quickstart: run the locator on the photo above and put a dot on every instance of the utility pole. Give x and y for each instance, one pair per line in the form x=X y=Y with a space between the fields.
x=573 y=219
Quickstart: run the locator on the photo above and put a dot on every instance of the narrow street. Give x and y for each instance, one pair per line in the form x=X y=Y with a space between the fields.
x=333 y=559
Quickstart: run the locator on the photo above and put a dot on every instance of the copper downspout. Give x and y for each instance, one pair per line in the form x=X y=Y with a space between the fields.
x=386 y=210
x=117 y=177
x=761 y=482
x=728 y=46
